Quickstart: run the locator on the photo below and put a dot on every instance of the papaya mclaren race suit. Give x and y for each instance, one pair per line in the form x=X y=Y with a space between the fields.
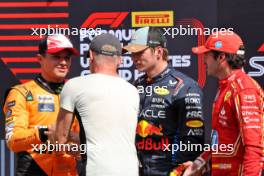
x=237 y=127
x=27 y=108
x=170 y=115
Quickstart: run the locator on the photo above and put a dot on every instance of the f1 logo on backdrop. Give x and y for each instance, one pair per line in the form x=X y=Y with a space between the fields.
x=113 y=19
x=257 y=62
x=140 y=19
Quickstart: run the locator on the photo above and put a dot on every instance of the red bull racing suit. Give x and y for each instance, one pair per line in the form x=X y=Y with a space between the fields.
x=238 y=127
x=170 y=117
x=28 y=107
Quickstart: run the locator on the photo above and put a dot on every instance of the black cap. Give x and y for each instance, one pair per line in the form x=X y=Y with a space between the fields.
x=106 y=44
x=156 y=38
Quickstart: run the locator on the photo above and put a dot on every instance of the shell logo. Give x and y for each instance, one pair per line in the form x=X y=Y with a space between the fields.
x=161 y=91
x=194 y=123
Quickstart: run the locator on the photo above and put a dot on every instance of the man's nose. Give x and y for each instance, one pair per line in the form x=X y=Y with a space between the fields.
x=64 y=60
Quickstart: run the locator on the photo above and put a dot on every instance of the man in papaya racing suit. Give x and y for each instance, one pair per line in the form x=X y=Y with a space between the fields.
x=31 y=111
x=238 y=111
x=170 y=117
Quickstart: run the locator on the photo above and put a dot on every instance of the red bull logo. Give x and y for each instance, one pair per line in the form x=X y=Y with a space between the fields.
x=150 y=144
x=145 y=129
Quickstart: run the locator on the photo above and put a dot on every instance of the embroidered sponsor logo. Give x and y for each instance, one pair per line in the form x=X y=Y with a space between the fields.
x=227 y=96
x=194 y=123
x=161 y=91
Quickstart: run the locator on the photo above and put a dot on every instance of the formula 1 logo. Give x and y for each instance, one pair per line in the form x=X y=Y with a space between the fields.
x=147 y=18
x=113 y=19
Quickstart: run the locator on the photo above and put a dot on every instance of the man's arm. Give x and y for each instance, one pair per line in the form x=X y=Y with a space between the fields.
x=19 y=136
x=63 y=126
x=249 y=109
x=191 y=124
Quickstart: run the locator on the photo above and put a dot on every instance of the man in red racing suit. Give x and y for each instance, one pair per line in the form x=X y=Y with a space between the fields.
x=237 y=125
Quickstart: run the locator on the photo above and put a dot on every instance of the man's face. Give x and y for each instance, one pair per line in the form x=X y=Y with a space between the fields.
x=54 y=67
x=144 y=60
x=212 y=65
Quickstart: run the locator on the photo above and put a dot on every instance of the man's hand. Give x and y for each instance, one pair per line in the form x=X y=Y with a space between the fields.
x=190 y=169
x=51 y=133
x=196 y=168
x=74 y=137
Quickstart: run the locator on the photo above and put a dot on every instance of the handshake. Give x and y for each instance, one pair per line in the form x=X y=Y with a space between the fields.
x=48 y=133
x=196 y=168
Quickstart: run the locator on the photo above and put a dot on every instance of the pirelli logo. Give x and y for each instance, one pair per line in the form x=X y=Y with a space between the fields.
x=152 y=18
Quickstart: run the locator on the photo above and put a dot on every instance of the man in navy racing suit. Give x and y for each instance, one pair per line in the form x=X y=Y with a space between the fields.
x=170 y=118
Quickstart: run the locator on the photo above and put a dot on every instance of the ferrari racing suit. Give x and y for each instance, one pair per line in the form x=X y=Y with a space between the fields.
x=170 y=120
x=237 y=136
x=27 y=108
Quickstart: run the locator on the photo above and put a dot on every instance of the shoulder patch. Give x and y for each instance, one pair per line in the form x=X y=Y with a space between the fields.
x=227 y=95
x=244 y=83
x=24 y=90
x=29 y=96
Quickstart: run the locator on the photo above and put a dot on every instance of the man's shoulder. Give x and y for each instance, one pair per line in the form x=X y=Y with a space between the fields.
x=125 y=85
x=79 y=80
x=244 y=82
x=183 y=78
x=24 y=88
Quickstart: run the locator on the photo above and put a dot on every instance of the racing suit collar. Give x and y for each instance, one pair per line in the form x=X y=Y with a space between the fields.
x=159 y=76
x=54 y=88
x=231 y=77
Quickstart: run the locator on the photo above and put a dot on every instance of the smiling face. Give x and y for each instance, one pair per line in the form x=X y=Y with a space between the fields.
x=54 y=67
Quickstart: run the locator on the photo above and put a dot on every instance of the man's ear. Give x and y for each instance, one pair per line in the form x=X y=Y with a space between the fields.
x=40 y=58
x=158 y=52
x=221 y=57
x=119 y=60
x=91 y=55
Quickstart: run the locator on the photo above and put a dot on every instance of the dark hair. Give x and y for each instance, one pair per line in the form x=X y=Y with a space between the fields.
x=165 y=53
x=43 y=46
x=235 y=61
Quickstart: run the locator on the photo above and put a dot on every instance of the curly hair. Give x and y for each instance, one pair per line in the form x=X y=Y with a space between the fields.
x=235 y=61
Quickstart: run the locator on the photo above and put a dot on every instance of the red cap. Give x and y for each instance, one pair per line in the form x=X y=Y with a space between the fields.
x=56 y=43
x=224 y=42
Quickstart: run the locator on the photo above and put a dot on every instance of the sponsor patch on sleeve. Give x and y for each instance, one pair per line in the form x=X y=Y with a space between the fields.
x=11 y=104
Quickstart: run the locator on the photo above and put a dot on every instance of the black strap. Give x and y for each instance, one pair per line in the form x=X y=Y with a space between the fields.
x=82 y=142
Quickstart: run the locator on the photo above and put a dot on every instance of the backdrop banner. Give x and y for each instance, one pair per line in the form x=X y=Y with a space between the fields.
x=185 y=23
